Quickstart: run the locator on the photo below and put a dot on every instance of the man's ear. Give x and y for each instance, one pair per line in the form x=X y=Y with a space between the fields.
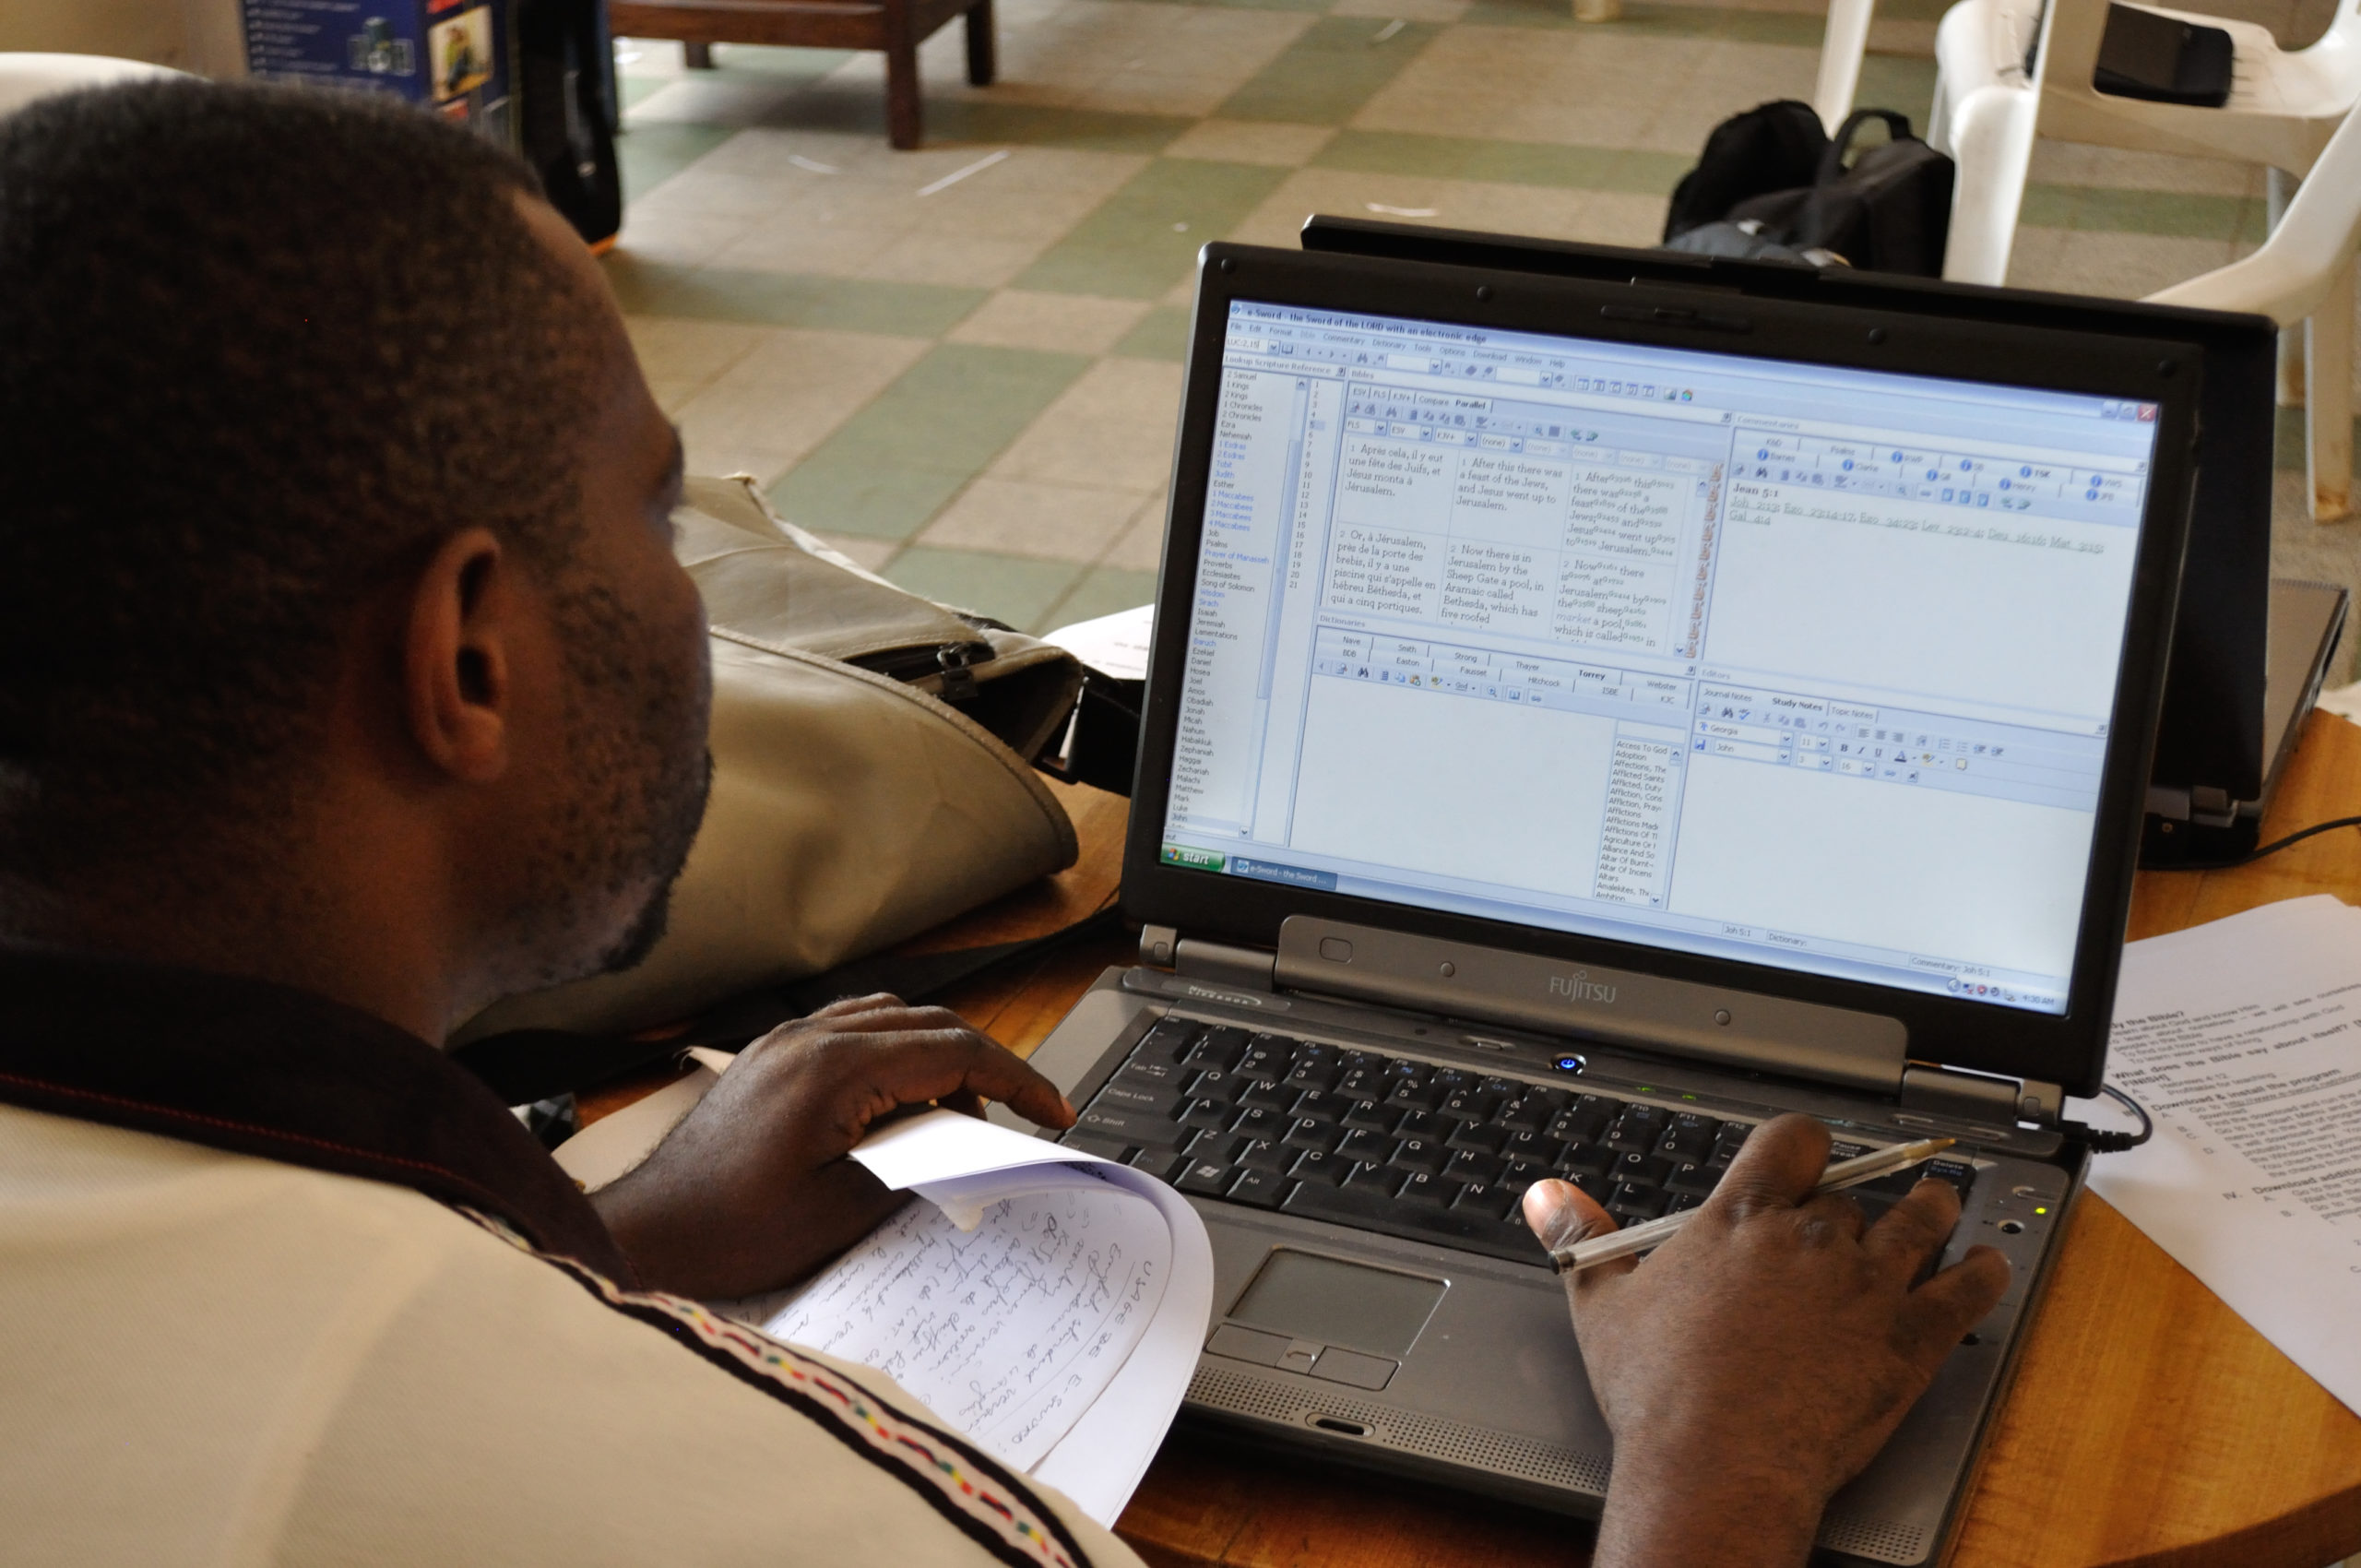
x=459 y=655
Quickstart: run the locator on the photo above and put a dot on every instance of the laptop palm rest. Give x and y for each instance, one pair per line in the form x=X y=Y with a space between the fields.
x=1344 y=1322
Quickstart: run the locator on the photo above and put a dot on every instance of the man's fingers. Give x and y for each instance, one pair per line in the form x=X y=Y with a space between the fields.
x=935 y=1064
x=1829 y=1216
x=883 y=1013
x=853 y=1006
x=1781 y=1163
x=1903 y=1237
x=1560 y=1215
x=1957 y=1299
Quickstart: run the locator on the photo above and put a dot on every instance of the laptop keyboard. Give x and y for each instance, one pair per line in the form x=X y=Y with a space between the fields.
x=1405 y=1148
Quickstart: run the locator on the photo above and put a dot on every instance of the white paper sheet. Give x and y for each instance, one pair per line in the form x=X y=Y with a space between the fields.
x=615 y=1145
x=1114 y=645
x=960 y=1161
x=964 y=1169
x=2342 y=701
x=2243 y=1040
x=1009 y=1330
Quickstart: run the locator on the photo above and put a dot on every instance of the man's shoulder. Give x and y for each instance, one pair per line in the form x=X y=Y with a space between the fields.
x=51 y=1165
x=207 y=1294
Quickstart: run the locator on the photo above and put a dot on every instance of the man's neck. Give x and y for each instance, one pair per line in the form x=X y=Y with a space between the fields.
x=345 y=926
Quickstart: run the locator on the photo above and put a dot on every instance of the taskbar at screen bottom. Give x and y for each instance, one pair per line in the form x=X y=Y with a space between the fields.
x=1900 y=972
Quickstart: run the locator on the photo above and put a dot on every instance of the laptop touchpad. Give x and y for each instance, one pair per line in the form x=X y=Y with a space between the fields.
x=1332 y=1302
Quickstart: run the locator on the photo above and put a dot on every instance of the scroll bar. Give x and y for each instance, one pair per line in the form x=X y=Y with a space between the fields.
x=1290 y=504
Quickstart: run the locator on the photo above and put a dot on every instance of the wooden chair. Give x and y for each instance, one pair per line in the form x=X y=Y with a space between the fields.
x=898 y=27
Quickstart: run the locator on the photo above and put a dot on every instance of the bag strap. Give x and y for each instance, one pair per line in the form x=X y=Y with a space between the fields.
x=1831 y=162
x=524 y=1065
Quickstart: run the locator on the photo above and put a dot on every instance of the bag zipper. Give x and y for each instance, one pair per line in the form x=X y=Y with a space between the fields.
x=954 y=662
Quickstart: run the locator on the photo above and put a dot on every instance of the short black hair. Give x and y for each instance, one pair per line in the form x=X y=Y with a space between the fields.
x=261 y=349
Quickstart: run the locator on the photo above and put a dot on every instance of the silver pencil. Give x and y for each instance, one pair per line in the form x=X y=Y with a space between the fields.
x=1657 y=1233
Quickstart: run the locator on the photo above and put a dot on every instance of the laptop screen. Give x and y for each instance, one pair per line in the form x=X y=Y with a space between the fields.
x=1777 y=662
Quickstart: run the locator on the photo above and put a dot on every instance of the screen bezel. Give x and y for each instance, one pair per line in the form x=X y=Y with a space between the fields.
x=2067 y=1049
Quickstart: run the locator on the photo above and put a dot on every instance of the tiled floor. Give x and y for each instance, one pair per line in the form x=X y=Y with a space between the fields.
x=962 y=363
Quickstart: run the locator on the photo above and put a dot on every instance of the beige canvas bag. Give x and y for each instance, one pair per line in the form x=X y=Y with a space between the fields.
x=872 y=773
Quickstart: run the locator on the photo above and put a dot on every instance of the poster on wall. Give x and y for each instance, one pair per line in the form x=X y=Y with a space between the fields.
x=451 y=56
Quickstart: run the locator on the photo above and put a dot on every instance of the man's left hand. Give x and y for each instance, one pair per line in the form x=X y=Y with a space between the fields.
x=753 y=1190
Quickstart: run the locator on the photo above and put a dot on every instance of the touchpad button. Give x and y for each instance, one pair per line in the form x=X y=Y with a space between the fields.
x=1329 y=1301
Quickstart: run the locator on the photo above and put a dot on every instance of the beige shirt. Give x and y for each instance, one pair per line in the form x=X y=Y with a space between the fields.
x=208 y=1357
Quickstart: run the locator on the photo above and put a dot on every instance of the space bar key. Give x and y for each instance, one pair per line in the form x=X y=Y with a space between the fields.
x=1381 y=1213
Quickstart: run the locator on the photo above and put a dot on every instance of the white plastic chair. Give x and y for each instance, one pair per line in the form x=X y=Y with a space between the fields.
x=24 y=77
x=2303 y=273
x=1841 y=49
x=1984 y=113
x=2284 y=106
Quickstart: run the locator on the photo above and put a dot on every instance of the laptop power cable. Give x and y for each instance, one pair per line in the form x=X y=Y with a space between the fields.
x=2107 y=1141
x=2271 y=849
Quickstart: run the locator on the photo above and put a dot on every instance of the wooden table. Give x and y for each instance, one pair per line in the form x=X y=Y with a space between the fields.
x=2149 y=1425
x=897 y=27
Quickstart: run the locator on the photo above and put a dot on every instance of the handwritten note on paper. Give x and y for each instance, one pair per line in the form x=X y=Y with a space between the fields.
x=1009 y=1331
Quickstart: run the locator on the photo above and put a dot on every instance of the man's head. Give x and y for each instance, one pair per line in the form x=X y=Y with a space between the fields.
x=335 y=579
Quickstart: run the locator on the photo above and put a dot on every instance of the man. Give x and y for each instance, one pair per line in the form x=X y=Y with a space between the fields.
x=346 y=684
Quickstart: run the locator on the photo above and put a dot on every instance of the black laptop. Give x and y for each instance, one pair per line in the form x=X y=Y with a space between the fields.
x=1587 y=718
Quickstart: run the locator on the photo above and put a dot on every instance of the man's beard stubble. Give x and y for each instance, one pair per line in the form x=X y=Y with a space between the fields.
x=667 y=851
x=637 y=753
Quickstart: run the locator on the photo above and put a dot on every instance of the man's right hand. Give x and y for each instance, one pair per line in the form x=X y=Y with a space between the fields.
x=1757 y=1361
x=752 y=1189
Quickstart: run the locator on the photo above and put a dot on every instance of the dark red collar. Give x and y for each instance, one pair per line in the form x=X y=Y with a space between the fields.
x=261 y=1069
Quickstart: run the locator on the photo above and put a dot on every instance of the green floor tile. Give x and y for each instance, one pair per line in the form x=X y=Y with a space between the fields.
x=636 y=89
x=1894 y=81
x=828 y=494
x=2113 y=210
x=888 y=470
x=1142 y=239
x=2288 y=445
x=1252 y=4
x=787 y=299
x=1161 y=334
x=768 y=62
x=1103 y=591
x=1085 y=130
x=1593 y=169
x=1324 y=76
x=652 y=152
x=1014 y=589
x=1399 y=152
x=1509 y=163
x=1796 y=30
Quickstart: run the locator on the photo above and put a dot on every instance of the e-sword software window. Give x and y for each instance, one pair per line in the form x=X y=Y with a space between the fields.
x=1802 y=666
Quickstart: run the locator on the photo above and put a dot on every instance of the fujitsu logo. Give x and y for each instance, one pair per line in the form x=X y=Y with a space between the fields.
x=1580 y=987
x=1208 y=994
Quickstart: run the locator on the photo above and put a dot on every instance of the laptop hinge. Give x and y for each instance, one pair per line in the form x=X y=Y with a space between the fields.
x=1979 y=1097
x=1220 y=963
x=1456 y=980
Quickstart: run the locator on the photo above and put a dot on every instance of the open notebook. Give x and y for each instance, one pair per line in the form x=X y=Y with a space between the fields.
x=1047 y=1303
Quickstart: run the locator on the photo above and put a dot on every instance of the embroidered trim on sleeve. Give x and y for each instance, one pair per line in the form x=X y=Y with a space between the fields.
x=965 y=1485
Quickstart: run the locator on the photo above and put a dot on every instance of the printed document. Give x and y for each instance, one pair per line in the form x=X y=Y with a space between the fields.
x=2243 y=1040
